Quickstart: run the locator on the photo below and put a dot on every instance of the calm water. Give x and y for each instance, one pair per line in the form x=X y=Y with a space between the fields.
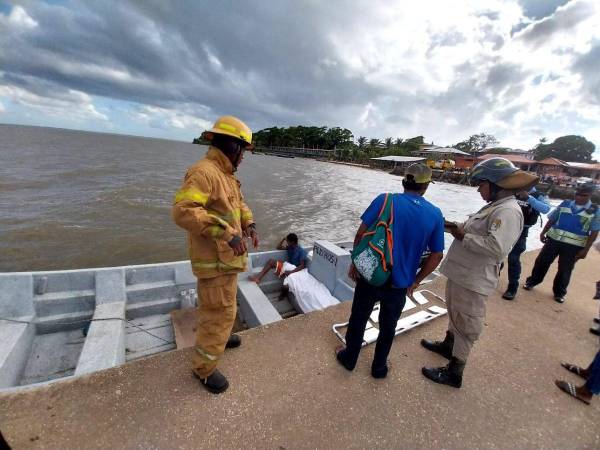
x=73 y=199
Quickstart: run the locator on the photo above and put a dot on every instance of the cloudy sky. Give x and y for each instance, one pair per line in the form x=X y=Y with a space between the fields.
x=519 y=69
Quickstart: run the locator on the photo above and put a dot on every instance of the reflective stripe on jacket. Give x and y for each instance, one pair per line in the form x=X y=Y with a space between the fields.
x=570 y=227
x=210 y=206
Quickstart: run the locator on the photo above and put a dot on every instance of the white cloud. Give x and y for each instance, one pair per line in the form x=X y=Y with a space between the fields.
x=18 y=18
x=2 y=108
x=70 y=103
x=165 y=118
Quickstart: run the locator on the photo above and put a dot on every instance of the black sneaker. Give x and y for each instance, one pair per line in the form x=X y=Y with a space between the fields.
x=595 y=331
x=509 y=294
x=559 y=299
x=215 y=382
x=528 y=286
x=340 y=354
x=233 y=341
x=379 y=372
x=596 y=320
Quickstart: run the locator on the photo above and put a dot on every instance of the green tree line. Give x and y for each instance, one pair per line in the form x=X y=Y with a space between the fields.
x=339 y=139
x=360 y=149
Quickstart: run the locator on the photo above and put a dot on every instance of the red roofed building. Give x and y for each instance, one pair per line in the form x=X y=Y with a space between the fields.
x=520 y=161
x=552 y=167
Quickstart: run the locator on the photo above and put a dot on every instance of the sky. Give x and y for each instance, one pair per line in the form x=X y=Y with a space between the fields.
x=518 y=69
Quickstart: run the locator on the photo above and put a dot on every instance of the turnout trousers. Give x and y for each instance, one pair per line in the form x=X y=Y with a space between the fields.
x=466 y=313
x=216 y=315
x=566 y=262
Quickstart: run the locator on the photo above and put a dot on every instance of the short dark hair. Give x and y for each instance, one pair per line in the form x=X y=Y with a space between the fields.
x=410 y=185
x=292 y=237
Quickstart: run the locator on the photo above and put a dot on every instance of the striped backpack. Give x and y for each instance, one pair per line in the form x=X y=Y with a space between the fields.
x=372 y=257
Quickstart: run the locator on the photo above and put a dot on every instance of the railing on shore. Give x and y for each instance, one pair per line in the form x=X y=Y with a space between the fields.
x=297 y=151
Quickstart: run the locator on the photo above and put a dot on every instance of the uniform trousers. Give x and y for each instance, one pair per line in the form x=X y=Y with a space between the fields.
x=566 y=253
x=514 y=260
x=216 y=315
x=466 y=313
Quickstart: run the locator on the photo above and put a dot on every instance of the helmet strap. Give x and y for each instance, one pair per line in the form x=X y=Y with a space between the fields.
x=494 y=191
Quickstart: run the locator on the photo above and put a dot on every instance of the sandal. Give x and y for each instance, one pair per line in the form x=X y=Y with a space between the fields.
x=570 y=389
x=574 y=369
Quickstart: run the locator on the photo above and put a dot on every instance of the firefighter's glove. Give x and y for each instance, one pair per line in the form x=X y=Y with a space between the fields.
x=238 y=245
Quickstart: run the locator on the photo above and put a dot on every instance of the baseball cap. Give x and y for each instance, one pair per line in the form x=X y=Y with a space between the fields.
x=418 y=173
x=587 y=188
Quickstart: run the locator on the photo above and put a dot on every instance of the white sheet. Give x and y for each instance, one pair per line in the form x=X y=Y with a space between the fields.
x=310 y=294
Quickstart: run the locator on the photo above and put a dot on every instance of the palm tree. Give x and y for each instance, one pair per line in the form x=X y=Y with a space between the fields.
x=374 y=143
x=361 y=141
x=388 y=142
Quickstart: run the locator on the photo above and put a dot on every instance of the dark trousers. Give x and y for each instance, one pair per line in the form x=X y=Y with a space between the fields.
x=566 y=261
x=593 y=381
x=514 y=261
x=391 y=305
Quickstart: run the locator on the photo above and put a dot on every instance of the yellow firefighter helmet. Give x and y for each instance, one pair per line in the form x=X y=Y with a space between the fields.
x=231 y=126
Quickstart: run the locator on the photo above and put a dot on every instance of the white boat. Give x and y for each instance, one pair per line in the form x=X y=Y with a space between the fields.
x=59 y=324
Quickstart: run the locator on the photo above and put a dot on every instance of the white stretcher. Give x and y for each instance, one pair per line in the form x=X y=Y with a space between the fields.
x=409 y=322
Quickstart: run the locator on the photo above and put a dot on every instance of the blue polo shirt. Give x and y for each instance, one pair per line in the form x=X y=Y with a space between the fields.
x=296 y=255
x=418 y=226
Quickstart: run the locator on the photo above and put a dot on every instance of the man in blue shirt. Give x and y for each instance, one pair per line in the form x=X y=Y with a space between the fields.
x=532 y=203
x=296 y=256
x=417 y=226
x=571 y=230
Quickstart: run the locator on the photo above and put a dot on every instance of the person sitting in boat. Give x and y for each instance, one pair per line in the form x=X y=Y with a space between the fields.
x=296 y=260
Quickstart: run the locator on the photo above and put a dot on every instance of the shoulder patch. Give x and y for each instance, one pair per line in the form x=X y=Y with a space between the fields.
x=496 y=223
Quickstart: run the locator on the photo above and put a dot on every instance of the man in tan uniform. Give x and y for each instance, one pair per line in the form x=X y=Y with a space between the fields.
x=210 y=206
x=472 y=264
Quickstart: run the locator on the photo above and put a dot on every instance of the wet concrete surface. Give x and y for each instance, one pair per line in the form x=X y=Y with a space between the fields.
x=287 y=391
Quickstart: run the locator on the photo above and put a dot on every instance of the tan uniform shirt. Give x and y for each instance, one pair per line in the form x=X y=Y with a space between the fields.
x=491 y=233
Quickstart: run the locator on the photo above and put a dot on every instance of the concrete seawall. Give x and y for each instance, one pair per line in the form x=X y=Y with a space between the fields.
x=287 y=391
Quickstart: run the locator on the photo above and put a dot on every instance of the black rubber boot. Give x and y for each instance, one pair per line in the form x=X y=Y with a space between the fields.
x=450 y=375
x=233 y=341
x=443 y=348
x=215 y=382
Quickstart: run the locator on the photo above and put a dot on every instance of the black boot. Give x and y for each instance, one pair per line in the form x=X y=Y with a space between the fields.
x=450 y=375
x=215 y=382
x=233 y=341
x=443 y=348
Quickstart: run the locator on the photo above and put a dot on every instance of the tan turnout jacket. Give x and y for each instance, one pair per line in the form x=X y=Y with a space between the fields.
x=210 y=206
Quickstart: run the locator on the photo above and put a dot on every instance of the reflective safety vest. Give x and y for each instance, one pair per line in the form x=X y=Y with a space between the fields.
x=210 y=206
x=570 y=227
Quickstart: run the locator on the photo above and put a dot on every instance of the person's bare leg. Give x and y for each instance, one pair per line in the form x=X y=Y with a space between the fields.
x=271 y=264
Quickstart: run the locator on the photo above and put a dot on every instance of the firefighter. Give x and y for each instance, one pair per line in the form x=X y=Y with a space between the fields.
x=211 y=208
